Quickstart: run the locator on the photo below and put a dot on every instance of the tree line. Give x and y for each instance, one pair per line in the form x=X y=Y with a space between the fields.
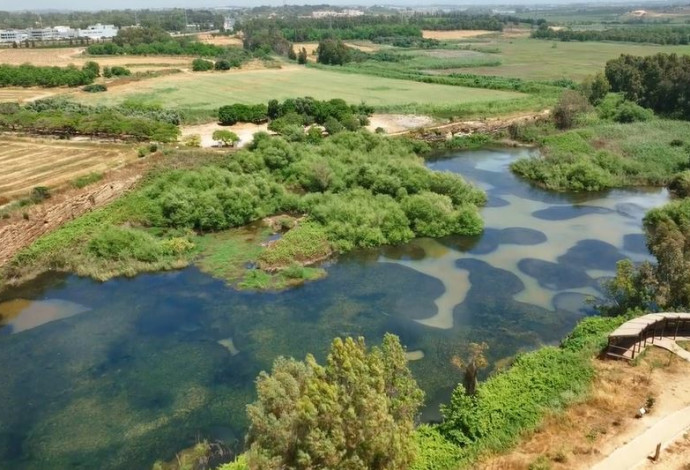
x=667 y=35
x=659 y=82
x=59 y=117
x=27 y=75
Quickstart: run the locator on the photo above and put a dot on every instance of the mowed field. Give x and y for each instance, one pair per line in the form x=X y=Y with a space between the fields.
x=210 y=90
x=536 y=59
x=27 y=163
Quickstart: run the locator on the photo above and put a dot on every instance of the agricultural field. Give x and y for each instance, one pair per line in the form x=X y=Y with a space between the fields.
x=28 y=163
x=64 y=56
x=209 y=90
x=21 y=95
x=534 y=59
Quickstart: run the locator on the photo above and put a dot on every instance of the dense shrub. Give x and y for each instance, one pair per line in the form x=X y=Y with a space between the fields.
x=201 y=65
x=232 y=114
x=65 y=118
x=96 y=88
x=658 y=82
x=117 y=243
x=28 y=75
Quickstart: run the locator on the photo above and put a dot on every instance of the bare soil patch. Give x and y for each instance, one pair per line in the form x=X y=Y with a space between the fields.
x=245 y=131
x=586 y=432
x=26 y=163
x=455 y=34
x=22 y=95
x=220 y=40
x=21 y=229
x=395 y=123
x=65 y=56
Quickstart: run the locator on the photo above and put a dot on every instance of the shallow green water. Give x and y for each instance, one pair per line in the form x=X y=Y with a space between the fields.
x=118 y=374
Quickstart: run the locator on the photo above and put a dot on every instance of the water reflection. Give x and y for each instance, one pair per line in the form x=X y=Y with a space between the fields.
x=118 y=374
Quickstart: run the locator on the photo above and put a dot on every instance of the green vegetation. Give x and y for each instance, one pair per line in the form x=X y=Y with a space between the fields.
x=666 y=284
x=672 y=35
x=357 y=411
x=86 y=180
x=232 y=114
x=60 y=117
x=95 y=88
x=28 y=75
x=225 y=138
x=354 y=190
x=116 y=71
x=201 y=65
x=638 y=150
x=656 y=82
x=204 y=92
x=531 y=59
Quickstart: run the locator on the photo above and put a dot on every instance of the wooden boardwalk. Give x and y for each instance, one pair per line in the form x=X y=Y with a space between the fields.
x=661 y=329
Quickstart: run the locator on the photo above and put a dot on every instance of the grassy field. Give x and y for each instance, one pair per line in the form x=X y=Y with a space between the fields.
x=534 y=59
x=210 y=90
x=27 y=163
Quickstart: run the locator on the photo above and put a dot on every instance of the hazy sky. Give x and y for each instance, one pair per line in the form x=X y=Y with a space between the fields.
x=123 y=4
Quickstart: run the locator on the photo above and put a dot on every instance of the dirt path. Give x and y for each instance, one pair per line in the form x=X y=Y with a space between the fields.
x=635 y=452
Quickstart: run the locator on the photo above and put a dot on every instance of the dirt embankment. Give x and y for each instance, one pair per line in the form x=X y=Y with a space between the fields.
x=23 y=227
x=484 y=126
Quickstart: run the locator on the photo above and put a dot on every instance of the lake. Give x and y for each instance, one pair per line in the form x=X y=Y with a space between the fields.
x=118 y=374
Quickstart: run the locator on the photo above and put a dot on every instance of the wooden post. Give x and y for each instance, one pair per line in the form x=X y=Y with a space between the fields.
x=676 y=332
x=657 y=453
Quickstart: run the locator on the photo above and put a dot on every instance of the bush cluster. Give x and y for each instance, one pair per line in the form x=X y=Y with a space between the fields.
x=359 y=189
x=68 y=119
x=28 y=75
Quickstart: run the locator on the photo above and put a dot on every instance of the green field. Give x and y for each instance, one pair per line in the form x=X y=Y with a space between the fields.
x=535 y=59
x=213 y=89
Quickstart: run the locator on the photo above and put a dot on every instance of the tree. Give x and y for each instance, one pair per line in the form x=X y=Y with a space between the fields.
x=223 y=64
x=93 y=68
x=355 y=412
x=333 y=52
x=201 y=65
x=595 y=88
x=292 y=55
x=475 y=361
x=570 y=105
x=226 y=138
x=302 y=56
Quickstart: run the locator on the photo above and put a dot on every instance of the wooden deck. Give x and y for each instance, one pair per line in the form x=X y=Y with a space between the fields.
x=632 y=337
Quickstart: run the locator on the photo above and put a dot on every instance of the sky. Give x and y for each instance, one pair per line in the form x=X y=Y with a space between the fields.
x=139 y=4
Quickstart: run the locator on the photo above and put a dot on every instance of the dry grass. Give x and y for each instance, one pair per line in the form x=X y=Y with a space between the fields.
x=27 y=163
x=21 y=95
x=577 y=437
x=455 y=34
x=65 y=56
x=220 y=40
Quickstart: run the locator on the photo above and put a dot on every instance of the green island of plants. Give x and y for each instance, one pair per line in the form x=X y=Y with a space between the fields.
x=355 y=189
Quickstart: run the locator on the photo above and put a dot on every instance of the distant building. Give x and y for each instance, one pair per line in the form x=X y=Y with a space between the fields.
x=332 y=13
x=229 y=24
x=98 y=31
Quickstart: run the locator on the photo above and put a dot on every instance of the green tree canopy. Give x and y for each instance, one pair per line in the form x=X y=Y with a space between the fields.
x=355 y=412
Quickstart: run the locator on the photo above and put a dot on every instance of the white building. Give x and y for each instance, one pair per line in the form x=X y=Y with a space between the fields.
x=98 y=31
x=12 y=35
